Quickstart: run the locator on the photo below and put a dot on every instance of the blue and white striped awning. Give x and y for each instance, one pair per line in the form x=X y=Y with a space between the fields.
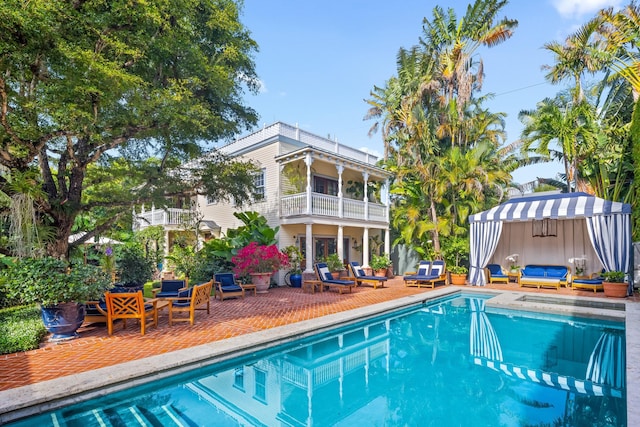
x=556 y=206
x=550 y=379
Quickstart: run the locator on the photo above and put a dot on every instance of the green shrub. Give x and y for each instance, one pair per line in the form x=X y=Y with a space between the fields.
x=21 y=329
x=132 y=267
x=49 y=281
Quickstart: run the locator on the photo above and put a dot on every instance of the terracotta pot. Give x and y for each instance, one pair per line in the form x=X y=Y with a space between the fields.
x=335 y=275
x=381 y=273
x=458 y=279
x=262 y=282
x=615 y=289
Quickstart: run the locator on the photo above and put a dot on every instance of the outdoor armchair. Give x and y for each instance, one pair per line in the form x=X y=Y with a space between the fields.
x=496 y=274
x=169 y=288
x=188 y=301
x=130 y=305
x=226 y=286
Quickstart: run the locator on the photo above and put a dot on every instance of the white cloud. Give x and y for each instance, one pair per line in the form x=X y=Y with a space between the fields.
x=580 y=8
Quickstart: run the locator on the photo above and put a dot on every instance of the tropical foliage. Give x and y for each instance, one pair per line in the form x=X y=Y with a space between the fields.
x=445 y=148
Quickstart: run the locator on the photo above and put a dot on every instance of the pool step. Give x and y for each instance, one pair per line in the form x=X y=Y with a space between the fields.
x=164 y=415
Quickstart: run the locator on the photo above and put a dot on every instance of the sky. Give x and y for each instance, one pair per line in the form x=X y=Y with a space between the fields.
x=318 y=61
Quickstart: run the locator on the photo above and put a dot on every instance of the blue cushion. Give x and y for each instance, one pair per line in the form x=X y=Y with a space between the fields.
x=339 y=282
x=225 y=279
x=328 y=276
x=588 y=281
x=372 y=278
x=186 y=293
x=148 y=307
x=495 y=270
x=533 y=271
x=556 y=271
x=230 y=288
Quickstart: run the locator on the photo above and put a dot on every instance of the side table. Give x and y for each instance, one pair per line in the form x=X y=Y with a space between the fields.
x=310 y=286
x=249 y=287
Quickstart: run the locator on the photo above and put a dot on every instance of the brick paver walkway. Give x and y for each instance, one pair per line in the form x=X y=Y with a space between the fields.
x=95 y=349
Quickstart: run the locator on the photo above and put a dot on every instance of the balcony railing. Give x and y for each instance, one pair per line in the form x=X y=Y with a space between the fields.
x=324 y=205
x=171 y=216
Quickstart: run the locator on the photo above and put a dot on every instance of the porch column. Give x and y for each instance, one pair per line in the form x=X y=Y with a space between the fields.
x=309 y=249
x=385 y=201
x=166 y=250
x=365 y=176
x=387 y=243
x=340 y=169
x=365 y=247
x=308 y=160
x=340 y=245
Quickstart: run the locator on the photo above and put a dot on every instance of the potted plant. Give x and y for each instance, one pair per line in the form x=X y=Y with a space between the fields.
x=614 y=284
x=513 y=263
x=295 y=270
x=59 y=289
x=456 y=251
x=259 y=262
x=380 y=264
x=334 y=264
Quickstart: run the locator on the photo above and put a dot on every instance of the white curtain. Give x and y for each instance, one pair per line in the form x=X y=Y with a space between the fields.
x=611 y=239
x=483 y=240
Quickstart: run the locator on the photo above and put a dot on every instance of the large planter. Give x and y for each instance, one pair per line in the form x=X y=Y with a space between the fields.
x=296 y=280
x=63 y=320
x=262 y=282
x=458 y=279
x=381 y=272
x=615 y=289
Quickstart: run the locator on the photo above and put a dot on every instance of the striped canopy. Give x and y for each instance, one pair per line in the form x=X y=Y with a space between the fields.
x=556 y=206
x=608 y=226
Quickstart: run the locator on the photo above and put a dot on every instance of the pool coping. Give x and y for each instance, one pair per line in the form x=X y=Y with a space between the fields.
x=49 y=395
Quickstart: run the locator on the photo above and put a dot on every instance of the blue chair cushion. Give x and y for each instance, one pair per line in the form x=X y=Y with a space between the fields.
x=533 y=271
x=230 y=288
x=559 y=272
x=495 y=270
x=588 y=281
x=225 y=279
x=339 y=282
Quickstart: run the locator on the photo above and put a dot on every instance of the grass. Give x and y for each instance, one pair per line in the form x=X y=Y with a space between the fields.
x=21 y=329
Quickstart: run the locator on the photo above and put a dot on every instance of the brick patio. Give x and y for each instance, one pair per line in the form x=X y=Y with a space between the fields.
x=95 y=349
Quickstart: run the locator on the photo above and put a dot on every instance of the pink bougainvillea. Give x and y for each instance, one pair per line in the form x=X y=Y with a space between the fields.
x=255 y=258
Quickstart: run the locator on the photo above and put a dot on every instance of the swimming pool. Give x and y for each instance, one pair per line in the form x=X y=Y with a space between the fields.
x=442 y=363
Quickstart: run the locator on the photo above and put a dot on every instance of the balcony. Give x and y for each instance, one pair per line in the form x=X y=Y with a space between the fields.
x=169 y=217
x=330 y=206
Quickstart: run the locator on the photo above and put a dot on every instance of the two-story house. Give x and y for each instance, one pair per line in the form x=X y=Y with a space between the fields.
x=309 y=186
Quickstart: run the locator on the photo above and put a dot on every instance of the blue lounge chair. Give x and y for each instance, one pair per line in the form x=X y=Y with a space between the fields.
x=361 y=278
x=435 y=274
x=226 y=286
x=496 y=274
x=324 y=275
x=169 y=288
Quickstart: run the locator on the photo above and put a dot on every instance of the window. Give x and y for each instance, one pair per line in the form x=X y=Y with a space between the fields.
x=238 y=380
x=258 y=182
x=324 y=185
x=261 y=385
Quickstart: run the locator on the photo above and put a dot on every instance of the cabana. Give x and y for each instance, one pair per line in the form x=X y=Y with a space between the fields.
x=550 y=229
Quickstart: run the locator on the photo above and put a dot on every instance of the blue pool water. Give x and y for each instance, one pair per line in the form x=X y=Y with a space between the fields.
x=454 y=362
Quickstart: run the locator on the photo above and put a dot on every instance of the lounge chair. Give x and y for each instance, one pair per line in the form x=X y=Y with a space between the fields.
x=436 y=274
x=423 y=270
x=496 y=274
x=188 y=301
x=361 y=277
x=324 y=275
x=130 y=305
x=225 y=286
x=169 y=288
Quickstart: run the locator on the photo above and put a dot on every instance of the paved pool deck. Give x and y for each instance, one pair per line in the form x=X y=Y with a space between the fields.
x=95 y=360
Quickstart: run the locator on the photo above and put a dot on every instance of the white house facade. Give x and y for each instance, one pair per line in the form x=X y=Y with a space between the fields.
x=309 y=186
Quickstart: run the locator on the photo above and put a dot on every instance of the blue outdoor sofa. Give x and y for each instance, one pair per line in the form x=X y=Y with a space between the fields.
x=543 y=276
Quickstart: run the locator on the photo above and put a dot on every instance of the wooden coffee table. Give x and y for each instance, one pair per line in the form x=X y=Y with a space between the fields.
x=250 y=286
x=310 y=286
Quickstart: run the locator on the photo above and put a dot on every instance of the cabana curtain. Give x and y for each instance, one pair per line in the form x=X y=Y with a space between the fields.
x=608 y=224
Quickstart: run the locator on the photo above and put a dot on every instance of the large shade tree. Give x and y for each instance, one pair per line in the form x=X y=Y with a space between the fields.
x=85 y=82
